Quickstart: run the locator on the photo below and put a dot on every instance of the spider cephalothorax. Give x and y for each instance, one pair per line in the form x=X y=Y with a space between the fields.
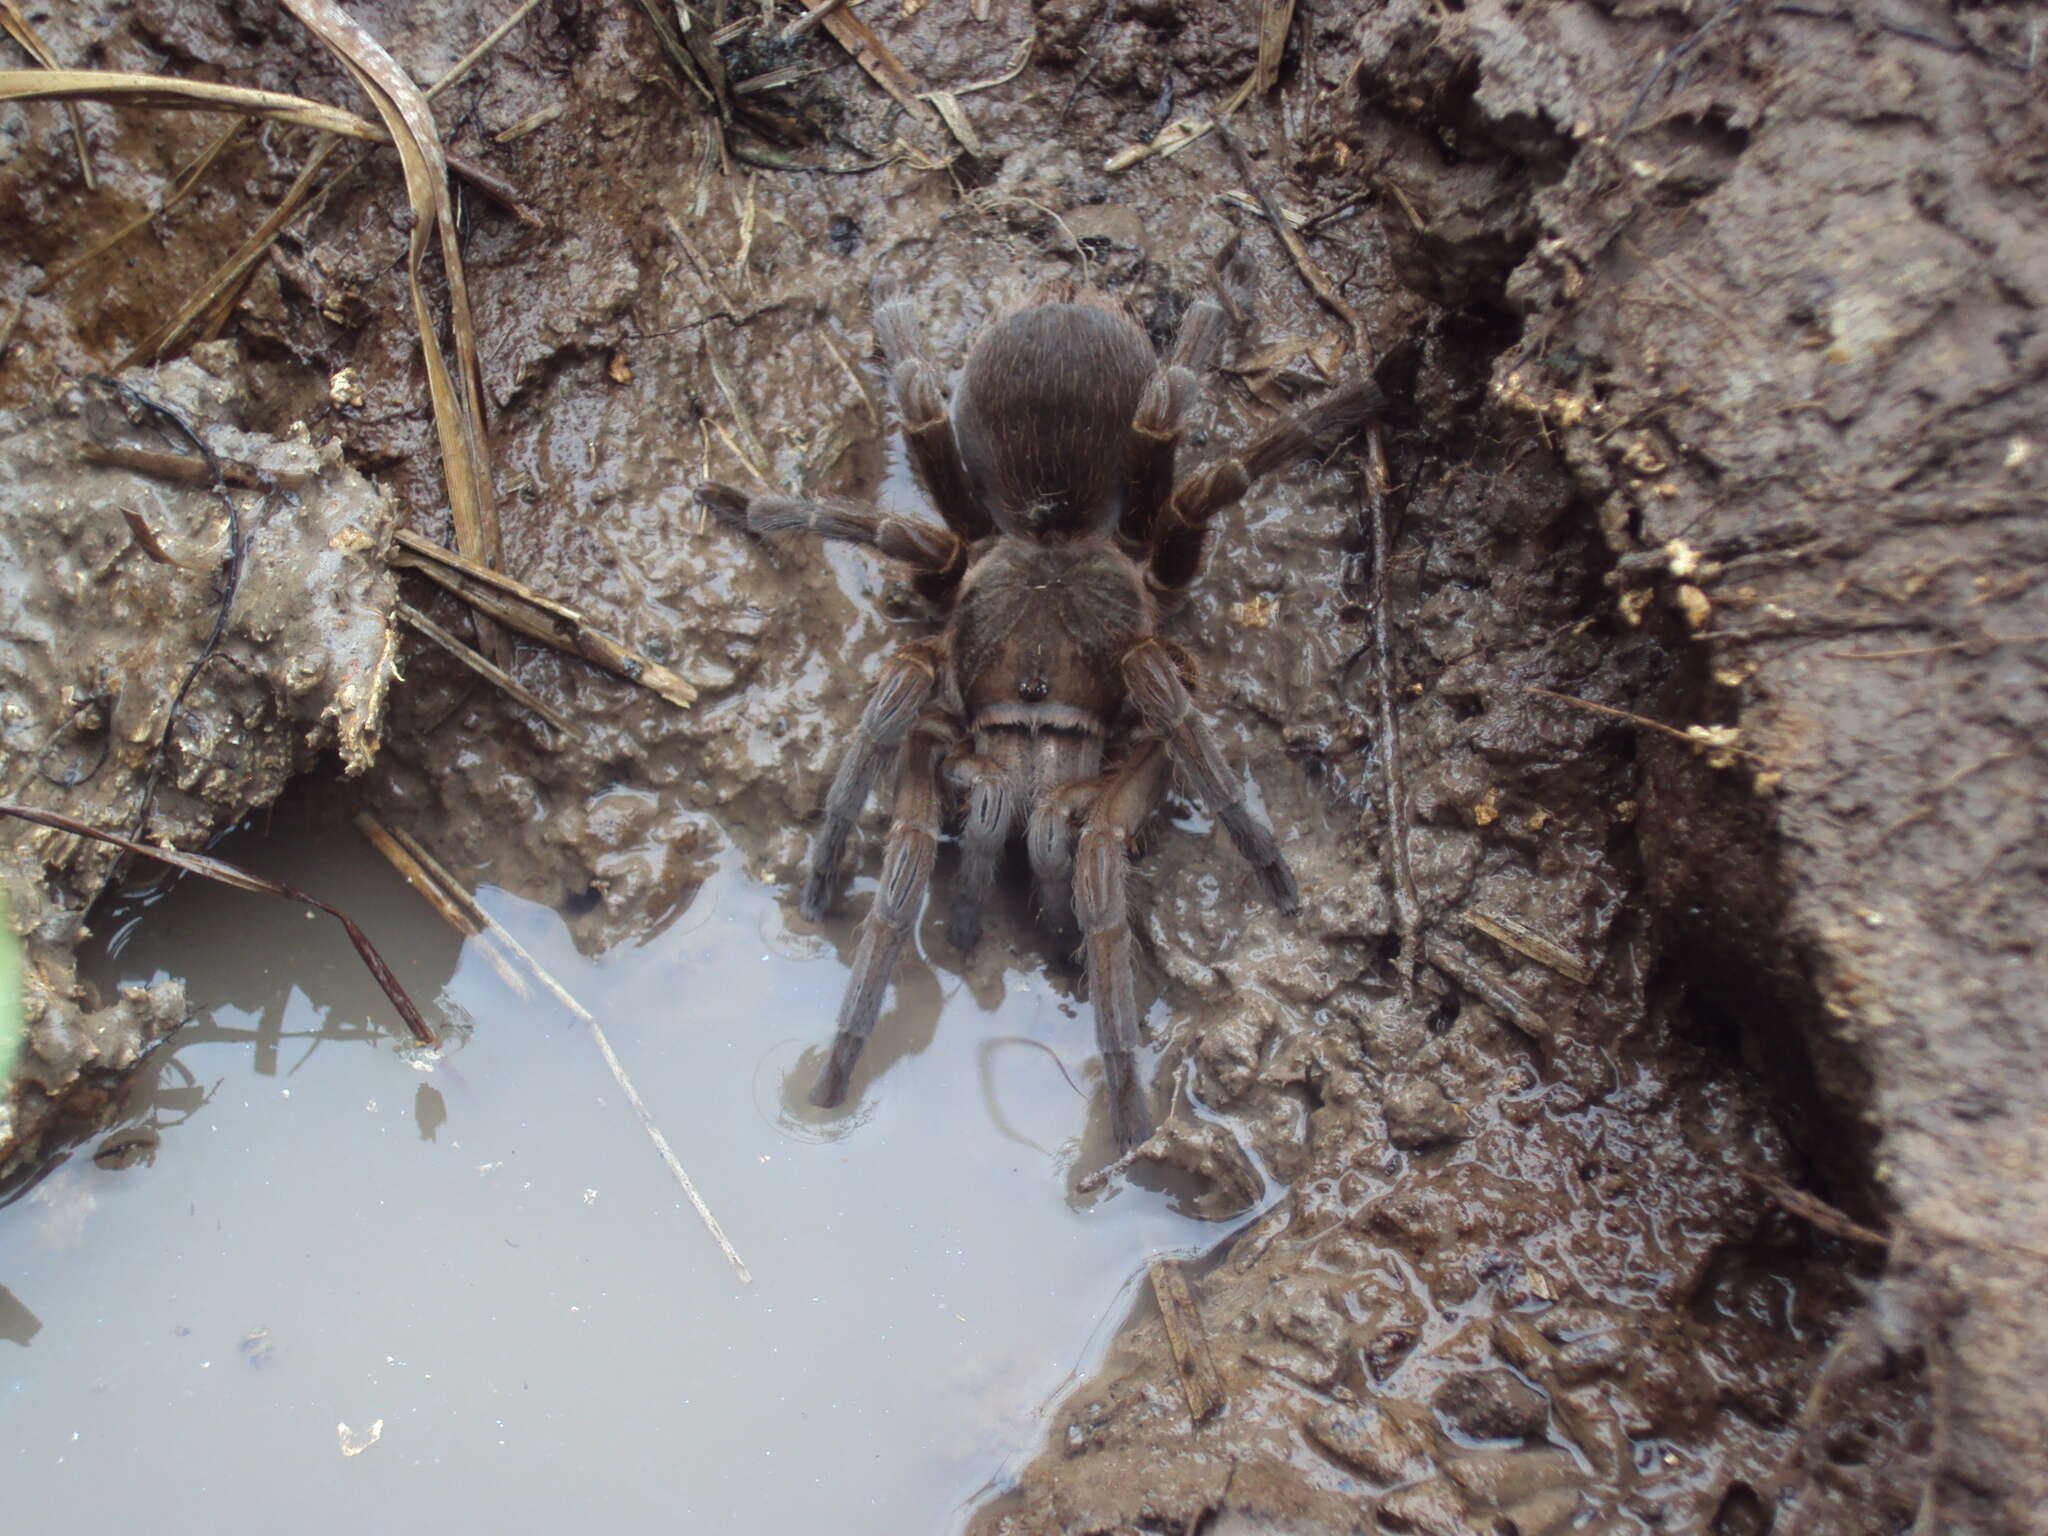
x=1064 y=529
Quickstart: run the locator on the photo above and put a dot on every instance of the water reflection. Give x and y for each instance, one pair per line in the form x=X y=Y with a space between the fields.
x=482 y=1254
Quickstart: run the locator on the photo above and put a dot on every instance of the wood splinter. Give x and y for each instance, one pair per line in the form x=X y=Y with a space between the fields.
x=1186 y=1337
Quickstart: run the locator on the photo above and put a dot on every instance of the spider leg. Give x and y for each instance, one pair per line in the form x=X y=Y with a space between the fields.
x=1156 y=426
x=1126 y=799
x=1049 y=841
x=1154 y=682
x=908 y=680
x=922 y=412
x=926 y=549
x=991 y=811
x=886 y=931
x=1182 y=530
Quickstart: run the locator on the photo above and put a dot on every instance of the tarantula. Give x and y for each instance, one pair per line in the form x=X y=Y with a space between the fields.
x=1064 y=531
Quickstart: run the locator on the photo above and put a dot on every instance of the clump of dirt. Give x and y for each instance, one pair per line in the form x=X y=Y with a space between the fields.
x=1716 y=393
x=125 y=709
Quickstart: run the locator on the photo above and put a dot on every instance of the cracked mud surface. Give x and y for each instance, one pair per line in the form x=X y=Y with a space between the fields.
x=1713 y=349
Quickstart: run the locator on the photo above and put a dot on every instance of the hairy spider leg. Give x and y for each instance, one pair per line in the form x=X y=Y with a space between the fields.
x=923 y=414
x=1156 y=428
x=1049 y=843
x=1101 y=905
x=907 y=860
x=988 y=814
x=906 y=685
x=1153 y=677
x=1182 y=532
x=925 y=548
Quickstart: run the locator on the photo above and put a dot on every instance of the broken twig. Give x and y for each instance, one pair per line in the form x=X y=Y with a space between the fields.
x=1186 y=1337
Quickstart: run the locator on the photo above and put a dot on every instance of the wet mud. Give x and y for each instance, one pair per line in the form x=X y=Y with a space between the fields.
x=1688 y=1183
x=127 y=700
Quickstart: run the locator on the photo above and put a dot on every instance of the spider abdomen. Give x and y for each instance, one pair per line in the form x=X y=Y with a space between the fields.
x=1043 y=416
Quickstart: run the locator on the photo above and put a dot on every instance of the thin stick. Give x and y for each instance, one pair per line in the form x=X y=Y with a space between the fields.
x=1461 y=967
x=1984 y=642
x=1811 y=1208
x=187 y=468
x=503 y=935
x=1305 y=264
x=1527 y=941
x=489 y=671
x=1648 y=724
x=756 y=456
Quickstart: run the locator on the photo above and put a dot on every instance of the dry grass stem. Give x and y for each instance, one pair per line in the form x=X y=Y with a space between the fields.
x=1304 y=263
x=1701 y=738
x=471 y=59
x=756 y=456
x=457 y=396
x=860 y=383
x=488 y=670
x=517 y=606
x=181 y=187
x=954 y=116
x=116 y=89
x=877 y=62
x=682 y=59
x=444 y=897
x=1275 y=18
x=18 y=28
x=1524 y=940
x=1456 y=962
x=1024 y=52
x=705 y=271
x=1173 y=138
x=207 y=309
x=497 y=932
x=809 y=20
x=1817 y=1212
x=529 y=124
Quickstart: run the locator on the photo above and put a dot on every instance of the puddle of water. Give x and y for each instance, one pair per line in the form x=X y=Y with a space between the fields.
x=482 y=1269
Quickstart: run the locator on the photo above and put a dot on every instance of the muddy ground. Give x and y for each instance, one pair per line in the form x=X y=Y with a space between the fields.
x=128 y=704
x=1711 y=335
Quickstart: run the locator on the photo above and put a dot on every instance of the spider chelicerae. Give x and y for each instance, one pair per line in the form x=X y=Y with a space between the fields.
x=1065 y=532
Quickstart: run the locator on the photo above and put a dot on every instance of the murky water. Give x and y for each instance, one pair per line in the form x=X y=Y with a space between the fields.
x=358 y=1289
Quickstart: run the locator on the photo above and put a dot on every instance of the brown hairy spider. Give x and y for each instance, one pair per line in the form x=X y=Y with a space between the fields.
x=1065 y=529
